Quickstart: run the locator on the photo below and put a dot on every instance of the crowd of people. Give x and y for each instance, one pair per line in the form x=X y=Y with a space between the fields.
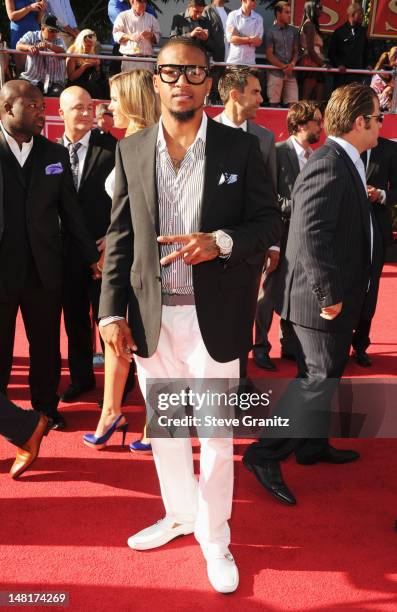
x=166 y=238
x=231 y=36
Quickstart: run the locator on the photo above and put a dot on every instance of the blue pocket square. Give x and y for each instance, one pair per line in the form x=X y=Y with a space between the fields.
x=54 y=169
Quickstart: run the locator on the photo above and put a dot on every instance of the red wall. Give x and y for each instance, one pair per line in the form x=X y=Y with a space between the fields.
x=273 y=119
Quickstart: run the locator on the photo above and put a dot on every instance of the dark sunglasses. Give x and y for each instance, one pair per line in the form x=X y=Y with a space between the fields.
x=90 y=36
x=379 y=118
x=107 y=114
x=170 y=73
x=53 y=30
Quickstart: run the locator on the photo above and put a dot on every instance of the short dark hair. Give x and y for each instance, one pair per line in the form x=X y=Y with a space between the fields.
x=278 y=7
x=235 y=78
x=196 y=3
x=345 y=105
x=300 y=113
x=186 y=41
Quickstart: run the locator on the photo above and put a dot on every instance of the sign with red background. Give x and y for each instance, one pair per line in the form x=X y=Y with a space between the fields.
x=383 y=19
x=333 y=16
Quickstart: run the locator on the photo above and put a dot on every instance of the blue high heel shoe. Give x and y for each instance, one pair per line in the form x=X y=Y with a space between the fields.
x=100 y=442
x=140 y=447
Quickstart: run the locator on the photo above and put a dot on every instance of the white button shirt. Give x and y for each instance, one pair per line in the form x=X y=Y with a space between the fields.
x=244 y=25
x=20 y=154
x=300 y=152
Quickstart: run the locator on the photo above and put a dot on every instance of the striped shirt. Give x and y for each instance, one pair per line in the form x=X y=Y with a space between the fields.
x=39 y=66
x=180 y=196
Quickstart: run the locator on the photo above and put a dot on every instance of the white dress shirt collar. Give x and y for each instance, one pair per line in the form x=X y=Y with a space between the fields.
x=84 y=141
x=354 y=156
x=201 y=135
x=20 y=154
x=300 y=152
x=227 y=121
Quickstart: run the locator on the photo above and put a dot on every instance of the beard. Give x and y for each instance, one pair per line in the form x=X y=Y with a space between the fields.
x=313 y=138
x=183 y=116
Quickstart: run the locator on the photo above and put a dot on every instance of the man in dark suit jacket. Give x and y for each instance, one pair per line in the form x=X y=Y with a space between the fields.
x=304 y=123
x=381 y=171
x=213 y=11
x=95 y=160
x=38 y=203
x=348 y=47
x=23 y=428
x=332 y=244
x=195 y=23
x=191 y=304
x=240 y=92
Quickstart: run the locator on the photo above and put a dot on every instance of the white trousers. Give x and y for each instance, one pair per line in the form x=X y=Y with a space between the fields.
x=181 y=353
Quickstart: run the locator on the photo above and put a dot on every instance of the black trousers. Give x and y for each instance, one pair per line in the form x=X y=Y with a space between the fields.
x=41 y=314
x=321 y=360
x=361 y=337
x=16 y=425
x=264 y=317
x=81 y=294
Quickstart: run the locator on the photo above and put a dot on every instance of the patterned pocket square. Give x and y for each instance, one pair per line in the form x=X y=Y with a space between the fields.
x=227 y=178
x=54 y=169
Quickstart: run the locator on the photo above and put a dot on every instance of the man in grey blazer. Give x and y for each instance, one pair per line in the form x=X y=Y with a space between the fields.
x=240 y=91
x=333 y=243
x=192 y=217
x=304 y=124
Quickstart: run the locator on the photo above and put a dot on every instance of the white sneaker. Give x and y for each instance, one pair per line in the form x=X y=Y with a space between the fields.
x=159 y=534
x=223 y=573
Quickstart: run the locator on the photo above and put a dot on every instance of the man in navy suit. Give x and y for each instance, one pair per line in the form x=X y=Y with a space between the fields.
x=332 y=245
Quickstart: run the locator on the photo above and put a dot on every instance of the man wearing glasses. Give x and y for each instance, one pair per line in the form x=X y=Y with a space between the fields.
x=136 y=31
x=333 y=246
x=193 y=214
x=46 y=72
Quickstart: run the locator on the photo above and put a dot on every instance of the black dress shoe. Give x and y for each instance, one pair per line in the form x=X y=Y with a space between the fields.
x=73 y=392
x=330 y=455
x=263 y=361
x=362 y=359
x=56 y=421
x=270 y=476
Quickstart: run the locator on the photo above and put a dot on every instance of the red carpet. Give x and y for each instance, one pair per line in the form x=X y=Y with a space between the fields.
x=64 y=525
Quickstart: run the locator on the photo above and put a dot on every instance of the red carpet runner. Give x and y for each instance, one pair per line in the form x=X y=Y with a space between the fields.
x=64 y=526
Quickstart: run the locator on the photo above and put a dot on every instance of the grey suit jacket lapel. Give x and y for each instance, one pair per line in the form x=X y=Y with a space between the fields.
x=361 y=193
x=292 y=157
x=146 y=158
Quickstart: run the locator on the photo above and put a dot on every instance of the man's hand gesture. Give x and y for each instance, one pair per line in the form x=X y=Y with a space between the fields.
x=195 y=248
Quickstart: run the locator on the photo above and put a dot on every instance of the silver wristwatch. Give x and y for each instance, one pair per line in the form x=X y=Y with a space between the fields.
x=224 y=242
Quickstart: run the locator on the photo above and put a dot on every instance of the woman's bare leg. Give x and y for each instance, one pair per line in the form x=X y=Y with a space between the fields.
x=116 y=373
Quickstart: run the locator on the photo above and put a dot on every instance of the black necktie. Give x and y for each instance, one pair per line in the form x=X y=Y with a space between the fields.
x=364 y=157
x=74 y=161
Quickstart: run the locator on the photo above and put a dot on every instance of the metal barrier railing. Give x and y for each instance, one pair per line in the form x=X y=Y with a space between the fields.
x=139 y=59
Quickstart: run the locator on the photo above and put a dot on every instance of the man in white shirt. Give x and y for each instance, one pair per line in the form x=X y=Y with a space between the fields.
x=136 y=31
x=244 y=32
